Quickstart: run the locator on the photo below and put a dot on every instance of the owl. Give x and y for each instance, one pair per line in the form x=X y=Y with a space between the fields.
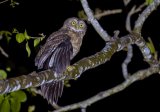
x=60 y=47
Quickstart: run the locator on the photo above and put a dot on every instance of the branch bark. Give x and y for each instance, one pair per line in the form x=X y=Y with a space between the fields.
x=74 y=71
x=144 y=15
x=3 y=1
x=135 y=77
x=94 y=22
x=3 y=52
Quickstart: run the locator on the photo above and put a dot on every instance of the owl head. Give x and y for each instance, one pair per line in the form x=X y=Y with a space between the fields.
x=76 y=25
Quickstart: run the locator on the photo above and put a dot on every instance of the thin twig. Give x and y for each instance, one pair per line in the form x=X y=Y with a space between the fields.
x=4 y=1
x=99 y=14
x=144 y=15
x=3 y=52
x=83 y=109
x=135 y=77
x=94 y=22
x=131 y=12
x=107 y=12
x=126 y=2
x=127 y=61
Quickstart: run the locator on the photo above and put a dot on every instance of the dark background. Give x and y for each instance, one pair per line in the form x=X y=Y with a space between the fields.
x=46 y=16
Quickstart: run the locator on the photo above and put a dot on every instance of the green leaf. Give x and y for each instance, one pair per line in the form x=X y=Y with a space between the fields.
x=148 y=2
x=31 y=108
x=5 y=106
x=151 y=46
x=1 y=99
x=19 y=95
x=20 y=37
x=81 y=14
x=13 y=3
x=26 y=35
x=15 y=105
x=37 y=41
x=8 y=69
x=15 y=30
x=66 y=83
x=3 y=74
x=28 y=49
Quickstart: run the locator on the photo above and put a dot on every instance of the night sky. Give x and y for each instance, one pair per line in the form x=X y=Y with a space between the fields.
x=47 y=16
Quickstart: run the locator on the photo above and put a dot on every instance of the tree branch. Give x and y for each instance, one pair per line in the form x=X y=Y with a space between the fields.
x=131 y=12
x=144 y=15
x=94 y=22
x=135 y=77
x=3 y=52
x=36 y=79
x=126 y=2
x=25 y=81
x=4 y=1
x=127 y=61
x=98 y=15
x=74 y=71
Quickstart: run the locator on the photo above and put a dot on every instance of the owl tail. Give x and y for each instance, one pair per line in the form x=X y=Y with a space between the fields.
x=52 y=91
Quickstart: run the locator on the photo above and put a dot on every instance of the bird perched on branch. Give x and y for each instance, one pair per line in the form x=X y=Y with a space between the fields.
x=60 y=47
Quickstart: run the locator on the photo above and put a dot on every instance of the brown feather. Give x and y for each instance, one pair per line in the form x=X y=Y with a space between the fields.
x=60 y=47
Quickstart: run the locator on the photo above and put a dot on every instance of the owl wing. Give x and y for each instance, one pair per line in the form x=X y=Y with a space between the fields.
x=55 y=53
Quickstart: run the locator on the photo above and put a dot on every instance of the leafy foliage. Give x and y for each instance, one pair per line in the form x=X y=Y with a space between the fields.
x=7 y=34
x=152 y=48
x=19 y=95
x=12 y=102
x=148 y=2
x=31 y=108
x=28 y=49
x=3 y=74
x=5 y=106
x=13 y=3
x=81 y=14
x=24 y=37
x=20 y=37
x=37 y=41
x=15 y=105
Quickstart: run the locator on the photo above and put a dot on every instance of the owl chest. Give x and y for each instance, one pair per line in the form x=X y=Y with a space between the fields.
x=76 y=44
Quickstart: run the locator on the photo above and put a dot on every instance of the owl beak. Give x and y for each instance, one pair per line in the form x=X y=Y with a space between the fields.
x=77 y=27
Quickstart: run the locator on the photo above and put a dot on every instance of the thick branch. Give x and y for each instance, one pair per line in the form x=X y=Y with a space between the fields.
x=93 y=61
x=135 y=77
x=22 y=82
x=144 y=15
x=93 y=21
x=36 y=79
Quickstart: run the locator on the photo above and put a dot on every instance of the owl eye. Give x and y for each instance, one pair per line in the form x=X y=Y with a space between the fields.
x=81 y=25
x=73 y=23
